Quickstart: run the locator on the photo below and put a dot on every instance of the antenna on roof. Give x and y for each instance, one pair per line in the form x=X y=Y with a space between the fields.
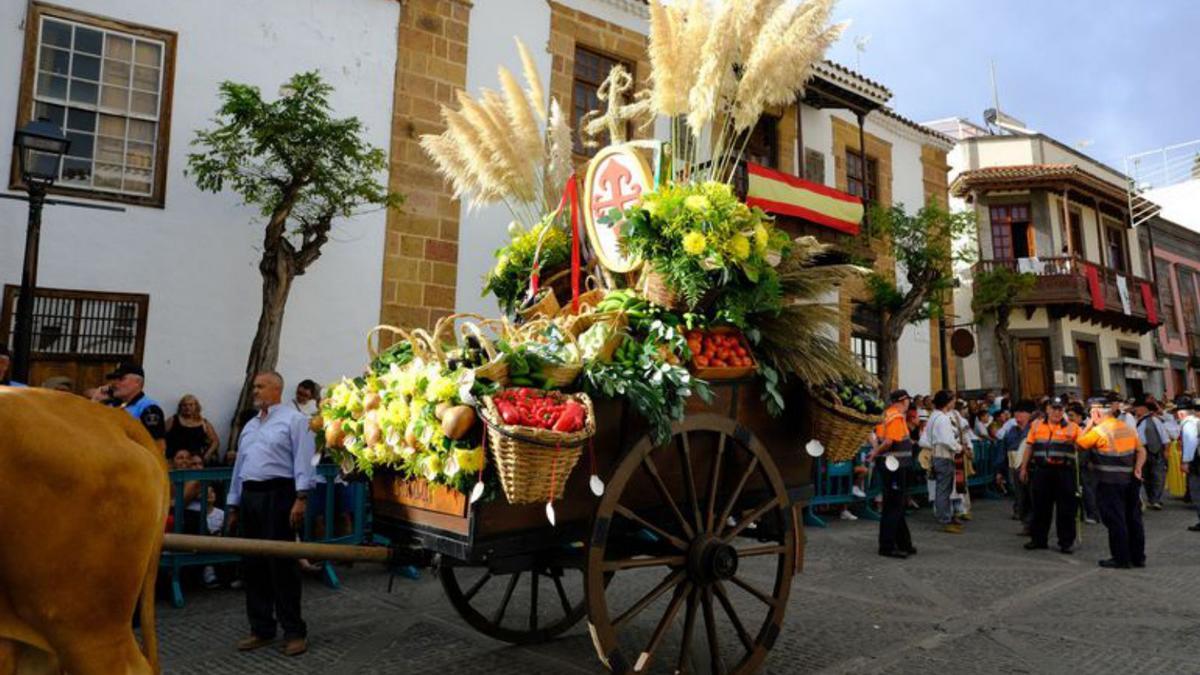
x=997 y=120
x=860 y=46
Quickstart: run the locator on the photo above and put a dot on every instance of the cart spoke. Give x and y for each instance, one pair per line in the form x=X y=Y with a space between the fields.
x=689 y=479
x=628 y=513
x=652 y=470
x=664 y=623
x=775 y=549
x=475 y=588
x=754 y=515
x=737 y=493
x=689 y=623
x=508 y=592
x=710 y=627
x=654 y=561
x=533 y=601
x=562 y=594
x=671 y=579
x=766 y=599
x=715 y=477
x=733 y=617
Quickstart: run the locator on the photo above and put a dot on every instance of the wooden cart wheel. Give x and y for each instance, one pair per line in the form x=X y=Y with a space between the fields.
x=523 y=600
x=685 y=551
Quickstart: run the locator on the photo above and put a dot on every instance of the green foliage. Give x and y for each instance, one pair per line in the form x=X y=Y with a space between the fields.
x=292 y=160
x=509 y=279
x=998 y=289
x=926 y=247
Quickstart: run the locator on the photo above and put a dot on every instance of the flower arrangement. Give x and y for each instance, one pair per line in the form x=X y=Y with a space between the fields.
x=508 y=281
x=701 y=237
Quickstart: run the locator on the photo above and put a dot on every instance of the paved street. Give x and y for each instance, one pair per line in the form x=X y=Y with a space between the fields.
x=975 y=603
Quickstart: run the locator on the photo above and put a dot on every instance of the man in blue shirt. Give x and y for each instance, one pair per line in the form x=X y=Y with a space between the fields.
x=128 y=384
x=1189 y=439
x=1011 y=441
x=268 y=496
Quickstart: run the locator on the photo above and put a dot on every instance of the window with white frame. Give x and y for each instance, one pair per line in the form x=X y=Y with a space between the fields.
x=866 y=352
x=107 y=85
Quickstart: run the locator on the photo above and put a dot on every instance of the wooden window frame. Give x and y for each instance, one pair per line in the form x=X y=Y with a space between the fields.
x=1114 y=231
x=581 y=150
x=1000 y=219
x=25 y=101
x=1165 y=270
x=1075 y=232
x=871 y=180
x=142 y=301
x=768 y=126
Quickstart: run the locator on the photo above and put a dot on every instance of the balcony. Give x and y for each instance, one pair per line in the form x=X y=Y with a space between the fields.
x=1075 y=288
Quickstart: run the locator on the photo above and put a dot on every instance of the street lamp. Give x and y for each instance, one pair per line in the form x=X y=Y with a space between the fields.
x=39 y=146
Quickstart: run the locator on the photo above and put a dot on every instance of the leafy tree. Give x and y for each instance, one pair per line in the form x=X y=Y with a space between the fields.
x=926 y=247
x=996 y=293
x=301 y=168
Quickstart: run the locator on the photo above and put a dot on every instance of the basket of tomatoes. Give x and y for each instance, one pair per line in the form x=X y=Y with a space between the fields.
x=536 y=438
x=720 y=353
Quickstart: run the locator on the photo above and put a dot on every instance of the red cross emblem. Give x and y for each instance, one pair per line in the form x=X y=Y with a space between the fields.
x=618 y=181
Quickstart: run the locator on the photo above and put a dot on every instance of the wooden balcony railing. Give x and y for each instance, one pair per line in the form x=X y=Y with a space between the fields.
x=1066 y=281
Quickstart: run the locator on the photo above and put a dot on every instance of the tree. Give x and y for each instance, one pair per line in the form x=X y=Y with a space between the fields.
x=996 y=293
x=301 y=168
x=926 y=246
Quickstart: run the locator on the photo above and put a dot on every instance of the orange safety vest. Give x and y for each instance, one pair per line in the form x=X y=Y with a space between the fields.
x=1053 y=444
x=894 y=428
x=1114 y=450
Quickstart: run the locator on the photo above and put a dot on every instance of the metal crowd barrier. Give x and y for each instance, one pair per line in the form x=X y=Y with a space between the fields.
x=833 y=483
x=219 y=478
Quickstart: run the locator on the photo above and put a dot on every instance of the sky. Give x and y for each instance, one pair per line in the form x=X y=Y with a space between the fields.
x=1124 y=76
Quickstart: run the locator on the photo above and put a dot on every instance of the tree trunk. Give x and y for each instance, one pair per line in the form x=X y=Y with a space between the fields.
x=1004 y=351
x=892 y=329
x=264 y=350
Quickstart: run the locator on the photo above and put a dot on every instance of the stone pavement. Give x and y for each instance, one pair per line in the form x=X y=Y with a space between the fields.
x=975 y=603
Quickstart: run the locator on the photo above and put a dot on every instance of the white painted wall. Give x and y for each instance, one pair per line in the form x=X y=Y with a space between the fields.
x=1180 y=203
x=197 y=256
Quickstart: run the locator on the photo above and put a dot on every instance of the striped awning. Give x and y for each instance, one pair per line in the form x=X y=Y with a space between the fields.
x=776 y=192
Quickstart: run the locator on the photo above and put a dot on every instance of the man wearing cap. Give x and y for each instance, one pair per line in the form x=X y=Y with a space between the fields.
x=128 y=382
x=1118 y=458
x=1052 y=456
x=1189 y=439
x=1153 y=434
x=895 y=444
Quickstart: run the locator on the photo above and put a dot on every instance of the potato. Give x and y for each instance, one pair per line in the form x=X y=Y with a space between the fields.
x=371 y=401
x=372 y=434
x=441 y=409
x=457 y=421
x=334 y=434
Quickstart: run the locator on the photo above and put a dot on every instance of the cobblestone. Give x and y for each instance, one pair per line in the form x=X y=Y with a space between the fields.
x=975 y=603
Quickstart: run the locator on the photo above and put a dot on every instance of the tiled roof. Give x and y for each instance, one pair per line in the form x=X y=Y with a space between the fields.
x=854 y=81
x=1018 y=175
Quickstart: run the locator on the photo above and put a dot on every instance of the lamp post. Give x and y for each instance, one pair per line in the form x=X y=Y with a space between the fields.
x=39 y=146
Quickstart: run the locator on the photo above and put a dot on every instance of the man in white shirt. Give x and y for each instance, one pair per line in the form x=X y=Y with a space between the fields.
x=1189 y=438
x=268 y=496
x=942 y=435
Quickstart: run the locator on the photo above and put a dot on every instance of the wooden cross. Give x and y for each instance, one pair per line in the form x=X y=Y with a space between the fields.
x=617 y=114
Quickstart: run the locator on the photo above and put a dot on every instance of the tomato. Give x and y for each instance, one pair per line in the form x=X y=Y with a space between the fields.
x=702 y=361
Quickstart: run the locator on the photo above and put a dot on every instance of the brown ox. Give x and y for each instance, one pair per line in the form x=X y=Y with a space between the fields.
x=83 y=497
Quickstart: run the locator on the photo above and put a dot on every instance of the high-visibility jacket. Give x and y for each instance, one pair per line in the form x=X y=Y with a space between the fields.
x=1114 y=447
x=894 y=428
x=1052 y=444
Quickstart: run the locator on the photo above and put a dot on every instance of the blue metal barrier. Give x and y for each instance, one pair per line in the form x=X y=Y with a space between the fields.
x=218 y=479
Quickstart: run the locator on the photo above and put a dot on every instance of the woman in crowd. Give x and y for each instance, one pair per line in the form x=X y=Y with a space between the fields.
x=188 y=430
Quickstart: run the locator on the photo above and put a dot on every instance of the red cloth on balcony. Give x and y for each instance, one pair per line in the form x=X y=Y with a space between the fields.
x=1148 y=300
x=1093 y=278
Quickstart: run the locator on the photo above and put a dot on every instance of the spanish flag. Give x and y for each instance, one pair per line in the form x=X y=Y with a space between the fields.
x=777 y=192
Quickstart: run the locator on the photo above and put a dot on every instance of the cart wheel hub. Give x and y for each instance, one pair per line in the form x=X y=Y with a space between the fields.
x=712 y=560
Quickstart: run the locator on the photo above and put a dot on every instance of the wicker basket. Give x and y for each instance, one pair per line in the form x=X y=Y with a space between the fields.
x=842 y=430
x=496 y=369
x=418 y=339
x=581 y=323
x=656 y=289
x=534 y=464
x=559 y=374
x=546 y=306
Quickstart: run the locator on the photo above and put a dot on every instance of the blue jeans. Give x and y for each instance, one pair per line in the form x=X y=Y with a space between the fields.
x=943 y=471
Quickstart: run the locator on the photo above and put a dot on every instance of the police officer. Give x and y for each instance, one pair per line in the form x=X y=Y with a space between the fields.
x=895 y=444
x=127 y=386
x=1117 y=458
x=1052 y=458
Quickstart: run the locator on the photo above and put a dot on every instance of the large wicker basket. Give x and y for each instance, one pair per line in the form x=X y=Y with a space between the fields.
x=534 y=464
x=655 y=288
x=842 y=430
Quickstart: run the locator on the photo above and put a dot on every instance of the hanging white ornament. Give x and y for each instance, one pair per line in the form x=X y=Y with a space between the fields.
x=814 y=448
x=597 y=485
x=477 y=492
x=550 y=513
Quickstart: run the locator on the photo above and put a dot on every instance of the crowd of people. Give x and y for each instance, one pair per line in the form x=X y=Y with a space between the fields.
x=1061 y=459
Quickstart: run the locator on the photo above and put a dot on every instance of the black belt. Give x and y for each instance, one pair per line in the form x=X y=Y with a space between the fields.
x=267 y=485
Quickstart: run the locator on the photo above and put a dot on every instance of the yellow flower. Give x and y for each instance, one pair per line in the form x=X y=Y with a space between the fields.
x=739 y=245
x=761 y=238
x=652 y=206
x=469 y=460
x=697 y=203
x=694 y=242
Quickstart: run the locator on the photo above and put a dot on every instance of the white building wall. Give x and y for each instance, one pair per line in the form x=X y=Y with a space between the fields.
x=197 y=257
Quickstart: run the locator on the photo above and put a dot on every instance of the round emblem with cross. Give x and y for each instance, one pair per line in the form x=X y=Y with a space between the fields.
x=616 y=180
